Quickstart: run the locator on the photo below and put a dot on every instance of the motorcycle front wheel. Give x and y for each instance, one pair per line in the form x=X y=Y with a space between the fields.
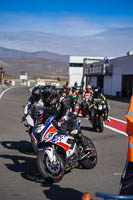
x=100 y=124
x=52 y=172
x=90 y=159
x=34 y=147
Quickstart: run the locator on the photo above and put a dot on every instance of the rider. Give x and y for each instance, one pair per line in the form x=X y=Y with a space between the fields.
x=55 y=104
x=87 y=93
x=97 y=94
x=85 y=99
x=35 y=100
x=60 y=106
x=73 y=94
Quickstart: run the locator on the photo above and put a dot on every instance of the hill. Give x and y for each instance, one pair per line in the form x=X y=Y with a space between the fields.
x=39 y=63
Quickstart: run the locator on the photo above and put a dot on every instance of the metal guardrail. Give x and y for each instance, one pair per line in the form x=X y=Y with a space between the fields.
x=109 y=196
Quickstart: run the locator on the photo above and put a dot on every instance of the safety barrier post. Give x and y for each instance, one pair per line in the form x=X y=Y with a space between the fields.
x=86 y=196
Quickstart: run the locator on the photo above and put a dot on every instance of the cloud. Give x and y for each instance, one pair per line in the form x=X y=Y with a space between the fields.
x=65 y=24
x=66 y=33
x=62 y=24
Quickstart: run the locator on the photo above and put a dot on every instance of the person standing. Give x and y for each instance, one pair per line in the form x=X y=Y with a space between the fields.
x=75 y=84
x=126 y=185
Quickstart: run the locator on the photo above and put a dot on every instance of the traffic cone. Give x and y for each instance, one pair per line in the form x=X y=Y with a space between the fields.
x=86 y=196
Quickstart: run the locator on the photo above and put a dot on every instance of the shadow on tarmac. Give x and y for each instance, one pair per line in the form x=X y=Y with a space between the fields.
x=86 y=128
x=56 y=192
x=22 y=146
x=24 y=165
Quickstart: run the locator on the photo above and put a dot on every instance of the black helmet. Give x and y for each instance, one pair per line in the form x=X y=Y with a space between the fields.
x=73 y=89
x=97 y=91
x=49 y=95
x=36 y=94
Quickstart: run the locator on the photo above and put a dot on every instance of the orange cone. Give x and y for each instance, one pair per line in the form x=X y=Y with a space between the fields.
x=86 y=196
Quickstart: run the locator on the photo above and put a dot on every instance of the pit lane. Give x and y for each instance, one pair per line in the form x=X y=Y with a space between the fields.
x=19 y=178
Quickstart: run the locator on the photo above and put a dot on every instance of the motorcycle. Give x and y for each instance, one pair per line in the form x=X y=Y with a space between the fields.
x=59 y=152
x=35 y=116
x=98 y=114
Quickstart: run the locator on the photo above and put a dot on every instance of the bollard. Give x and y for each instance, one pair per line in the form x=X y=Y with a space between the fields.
x=86 y=196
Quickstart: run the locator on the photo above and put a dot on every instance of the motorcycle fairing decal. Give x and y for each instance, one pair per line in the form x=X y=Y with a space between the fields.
x=48 y=129
x=65 y=146
x=58 y=138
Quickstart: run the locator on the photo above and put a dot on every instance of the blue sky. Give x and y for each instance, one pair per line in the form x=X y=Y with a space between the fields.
x=102 y=7
x=68 y=17
x=98 y=27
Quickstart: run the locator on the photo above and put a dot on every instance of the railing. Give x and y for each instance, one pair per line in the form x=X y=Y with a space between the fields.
x=109 y=196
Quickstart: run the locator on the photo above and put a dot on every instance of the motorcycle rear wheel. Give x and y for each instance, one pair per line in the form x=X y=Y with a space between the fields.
x=50 y=172
x=90 y=160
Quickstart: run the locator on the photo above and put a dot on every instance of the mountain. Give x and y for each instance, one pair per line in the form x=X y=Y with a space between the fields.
x=39 y=52
x=12 y=53
x=35 y=64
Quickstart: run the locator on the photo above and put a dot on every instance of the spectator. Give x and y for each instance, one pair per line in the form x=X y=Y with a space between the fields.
x=75 y=84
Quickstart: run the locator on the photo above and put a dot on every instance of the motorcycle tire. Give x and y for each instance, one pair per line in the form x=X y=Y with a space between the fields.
x=34 y=147
x=94 y=124
x=83 y=113
x=46 y=168
x=90 y=160
x=100 y=124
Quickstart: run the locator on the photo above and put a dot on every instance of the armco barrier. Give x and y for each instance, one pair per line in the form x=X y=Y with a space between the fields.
x=109 y=196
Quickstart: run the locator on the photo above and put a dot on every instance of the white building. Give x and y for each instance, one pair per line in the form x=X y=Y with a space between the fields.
x=76 y=68
x=23 y=78
x=115 y=77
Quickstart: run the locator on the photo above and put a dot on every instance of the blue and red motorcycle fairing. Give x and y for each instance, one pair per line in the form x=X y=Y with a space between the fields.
x=59 y=151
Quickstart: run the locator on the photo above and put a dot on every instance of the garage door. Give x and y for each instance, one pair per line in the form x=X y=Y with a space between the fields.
x=127 y=85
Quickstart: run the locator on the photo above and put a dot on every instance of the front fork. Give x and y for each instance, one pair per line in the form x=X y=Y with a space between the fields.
x=51 y=152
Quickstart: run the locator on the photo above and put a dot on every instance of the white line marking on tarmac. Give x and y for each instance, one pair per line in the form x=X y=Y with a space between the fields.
x=9 y=89
x=117 y=119
x=117 y=174
x=116 y=130
x=5 y=91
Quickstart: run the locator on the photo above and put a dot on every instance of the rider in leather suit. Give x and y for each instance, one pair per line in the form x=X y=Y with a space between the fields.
x=97 y=94
x=57 y=105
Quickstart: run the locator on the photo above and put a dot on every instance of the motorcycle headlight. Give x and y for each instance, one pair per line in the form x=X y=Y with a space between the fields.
x=100 y=107
x=75 y=131
x=49 y=136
